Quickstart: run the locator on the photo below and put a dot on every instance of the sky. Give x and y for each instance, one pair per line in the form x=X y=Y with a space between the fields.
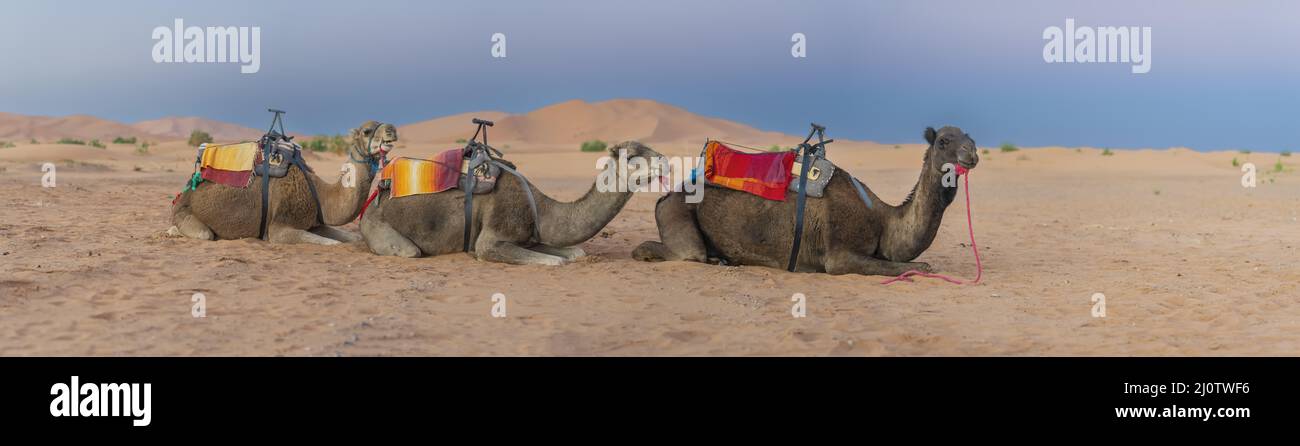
x=1224 y=75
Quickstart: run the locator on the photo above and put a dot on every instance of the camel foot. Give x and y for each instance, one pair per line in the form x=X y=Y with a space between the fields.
x=291 y=236
x=507 y=252
x=650 y=251
x=569 y=253
x=871 y=266
x=191 y=227
x=334 y=233
x=383 y=240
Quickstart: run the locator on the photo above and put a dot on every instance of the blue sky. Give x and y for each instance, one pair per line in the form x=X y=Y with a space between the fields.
x=1224 y=74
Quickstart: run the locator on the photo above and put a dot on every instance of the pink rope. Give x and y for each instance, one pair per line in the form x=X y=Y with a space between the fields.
x=970 y=227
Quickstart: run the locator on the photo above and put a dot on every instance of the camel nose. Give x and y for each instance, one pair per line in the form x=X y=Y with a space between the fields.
x=968 y=157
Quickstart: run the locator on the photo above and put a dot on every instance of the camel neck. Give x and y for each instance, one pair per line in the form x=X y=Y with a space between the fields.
x=914 y=223
x=340 y=203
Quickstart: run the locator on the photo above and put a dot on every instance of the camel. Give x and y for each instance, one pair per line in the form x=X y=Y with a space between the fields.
x=214 y=211
x=842 y=234
x=502 y=226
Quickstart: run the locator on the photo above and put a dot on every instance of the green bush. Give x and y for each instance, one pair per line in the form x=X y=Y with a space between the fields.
x=1235 y=163
x=1107 y=152
x=461 y=141
x=1009 y=147
x=594 y=145
x=1278 y=167
x=96 y=143
x=1244 y=152
x=121 y=140
x=199 y=137
x=34 y=141
x=71 y=141
x=1286 y=153
x=334 y=144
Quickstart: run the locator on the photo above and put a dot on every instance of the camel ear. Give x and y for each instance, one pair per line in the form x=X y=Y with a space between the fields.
x=930 y=135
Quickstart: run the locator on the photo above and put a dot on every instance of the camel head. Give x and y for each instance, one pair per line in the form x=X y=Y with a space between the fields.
x=373 y=139
x=951 y=145
x=653 y=161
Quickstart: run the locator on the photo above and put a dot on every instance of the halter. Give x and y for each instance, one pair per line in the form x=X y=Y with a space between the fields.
x=359 y=155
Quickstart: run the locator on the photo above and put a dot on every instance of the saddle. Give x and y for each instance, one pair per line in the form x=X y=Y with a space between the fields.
x=768 y=175
x=235 y=165
x=446 y=170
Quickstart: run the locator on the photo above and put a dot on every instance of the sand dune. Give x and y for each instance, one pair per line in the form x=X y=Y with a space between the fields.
x=15 y=127
x=18 y=128
x=613 y=120
x=449 y=129
x=180 y=128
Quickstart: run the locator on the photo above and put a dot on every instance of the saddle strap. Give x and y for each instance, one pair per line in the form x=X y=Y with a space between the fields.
x=266 y=194
x=528 y=192
x=862 y=193
x=266 y=190
x=468 y=181
x=468 y=187
x=799 y=208
x=311 y=186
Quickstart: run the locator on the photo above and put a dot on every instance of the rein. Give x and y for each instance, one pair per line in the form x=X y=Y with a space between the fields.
x=970 y=227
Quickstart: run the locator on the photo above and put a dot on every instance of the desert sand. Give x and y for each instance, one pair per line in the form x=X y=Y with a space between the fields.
x=1189 y=261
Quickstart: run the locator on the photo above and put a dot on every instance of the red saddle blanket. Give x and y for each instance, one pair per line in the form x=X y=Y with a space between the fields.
x=764 y=174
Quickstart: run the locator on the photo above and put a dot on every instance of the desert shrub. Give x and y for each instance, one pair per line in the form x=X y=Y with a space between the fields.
x=333 y=144
x=1009 y=147
x=96 y=143
x=199 y=137
x=6 y=144
x=461 y=141
x=121 y=140
x=1107 y=152
x=34 y=141
x=1286 y=153
x=1235 y=163
x=594 y=145
x=1278 y=167
x=71 y=141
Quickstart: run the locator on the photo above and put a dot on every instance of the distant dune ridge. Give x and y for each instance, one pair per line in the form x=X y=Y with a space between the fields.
x=567 y=122
x=180 y=128
x=576 y=121
x=16 y=127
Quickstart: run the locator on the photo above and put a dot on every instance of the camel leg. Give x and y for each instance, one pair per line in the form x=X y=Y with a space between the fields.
x=850 y=263
x=569 y=253
x=386 y=241
x=677 y=228
x=188 y=225
x=287 y=235
x=334 y=233
x=508 y=252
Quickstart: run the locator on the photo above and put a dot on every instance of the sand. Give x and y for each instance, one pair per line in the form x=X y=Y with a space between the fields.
x=1190 y=263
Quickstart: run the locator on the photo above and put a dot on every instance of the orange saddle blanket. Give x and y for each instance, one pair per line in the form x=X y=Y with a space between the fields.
x=413 y=176
x=764 y=174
